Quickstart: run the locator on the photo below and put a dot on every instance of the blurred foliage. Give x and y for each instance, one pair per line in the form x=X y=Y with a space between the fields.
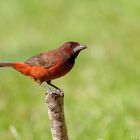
x=102 y=102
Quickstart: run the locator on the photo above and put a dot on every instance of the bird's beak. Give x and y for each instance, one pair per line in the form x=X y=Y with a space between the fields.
x=79 y=48
x=82 y=47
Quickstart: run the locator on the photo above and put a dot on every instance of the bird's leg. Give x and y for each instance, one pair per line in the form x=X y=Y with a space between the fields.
x=48 y=90
x=57 y=89
x=49 y=83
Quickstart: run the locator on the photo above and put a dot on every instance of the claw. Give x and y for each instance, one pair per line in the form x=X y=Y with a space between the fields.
x=57 y=92
x=60 y=92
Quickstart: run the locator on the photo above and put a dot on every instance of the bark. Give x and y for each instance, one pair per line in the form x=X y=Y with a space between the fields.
x=55 y=104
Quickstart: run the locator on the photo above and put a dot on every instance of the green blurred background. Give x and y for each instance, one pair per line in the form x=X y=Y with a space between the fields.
x=102 y=92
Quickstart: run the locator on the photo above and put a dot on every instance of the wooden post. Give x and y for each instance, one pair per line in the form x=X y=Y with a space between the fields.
x=55 y=104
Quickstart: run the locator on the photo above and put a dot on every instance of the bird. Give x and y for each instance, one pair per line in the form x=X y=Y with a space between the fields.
x=49 y=65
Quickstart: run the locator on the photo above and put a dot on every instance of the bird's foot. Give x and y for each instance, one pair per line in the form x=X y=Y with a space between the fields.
x=60 y=92
x=55 y=92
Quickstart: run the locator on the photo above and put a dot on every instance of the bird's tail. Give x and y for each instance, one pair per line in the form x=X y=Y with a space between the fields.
x=7 y=64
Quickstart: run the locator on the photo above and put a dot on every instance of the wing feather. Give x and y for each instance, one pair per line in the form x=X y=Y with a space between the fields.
x=44 y=59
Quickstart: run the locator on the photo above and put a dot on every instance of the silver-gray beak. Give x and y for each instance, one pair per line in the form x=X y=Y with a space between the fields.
x=79 y=48
x=82 y=47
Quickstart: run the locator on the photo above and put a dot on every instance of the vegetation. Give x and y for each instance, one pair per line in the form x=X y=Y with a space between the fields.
x=102 y=92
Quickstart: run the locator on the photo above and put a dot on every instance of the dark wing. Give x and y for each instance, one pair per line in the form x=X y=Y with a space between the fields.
x=44 y=59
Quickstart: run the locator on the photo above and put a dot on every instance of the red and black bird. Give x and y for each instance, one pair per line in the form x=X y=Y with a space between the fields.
x=49 y=65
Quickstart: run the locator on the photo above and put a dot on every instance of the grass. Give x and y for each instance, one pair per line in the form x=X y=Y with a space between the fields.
x=101 y=92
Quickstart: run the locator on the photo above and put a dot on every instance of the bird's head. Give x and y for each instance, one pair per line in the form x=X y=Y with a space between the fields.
x=73 y=48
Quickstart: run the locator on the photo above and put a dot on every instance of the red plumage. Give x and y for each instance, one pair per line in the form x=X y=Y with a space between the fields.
x=49 y=65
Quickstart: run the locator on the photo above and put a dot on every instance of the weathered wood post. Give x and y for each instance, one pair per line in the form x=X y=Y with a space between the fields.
x=55 y=104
